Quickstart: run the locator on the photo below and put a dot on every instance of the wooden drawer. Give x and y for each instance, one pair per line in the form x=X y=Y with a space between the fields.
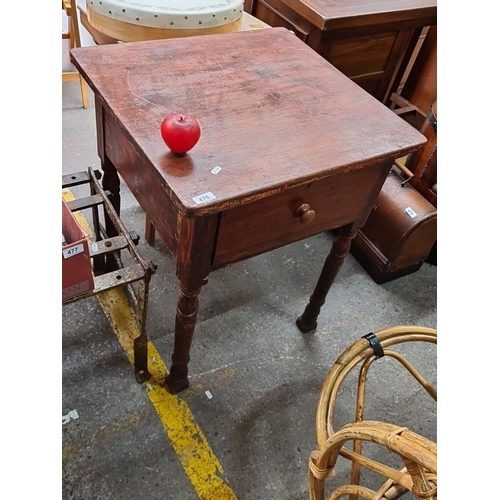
x=270 y=223
x=370 y=59
x=363 y=55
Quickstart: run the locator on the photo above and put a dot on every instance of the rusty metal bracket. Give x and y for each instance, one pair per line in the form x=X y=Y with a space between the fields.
x=120 y=275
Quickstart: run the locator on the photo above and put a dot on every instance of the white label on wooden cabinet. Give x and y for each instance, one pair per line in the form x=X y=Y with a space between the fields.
x=411 y=212
x=69 y=252
x=203 y=198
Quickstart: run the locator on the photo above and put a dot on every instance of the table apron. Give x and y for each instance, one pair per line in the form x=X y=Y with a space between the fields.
x=270 y=223
x=146 y=184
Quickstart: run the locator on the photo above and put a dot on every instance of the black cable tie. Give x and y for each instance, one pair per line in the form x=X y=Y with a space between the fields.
x=375 y=345
x=433 y=120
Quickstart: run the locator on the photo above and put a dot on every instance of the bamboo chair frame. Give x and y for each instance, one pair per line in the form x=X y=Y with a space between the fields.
x=417 y=453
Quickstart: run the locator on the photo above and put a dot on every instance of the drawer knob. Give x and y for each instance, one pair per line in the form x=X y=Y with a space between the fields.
x=305 y=213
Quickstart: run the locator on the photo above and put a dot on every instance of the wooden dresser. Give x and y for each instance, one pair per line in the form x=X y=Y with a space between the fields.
x=370 y=41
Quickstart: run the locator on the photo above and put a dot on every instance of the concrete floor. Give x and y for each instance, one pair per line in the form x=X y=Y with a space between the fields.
x=264 y=375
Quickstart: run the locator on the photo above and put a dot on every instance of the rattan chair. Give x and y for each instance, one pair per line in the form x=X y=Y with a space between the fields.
x=415 y=456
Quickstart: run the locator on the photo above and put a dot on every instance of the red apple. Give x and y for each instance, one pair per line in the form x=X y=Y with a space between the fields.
x=180 y=132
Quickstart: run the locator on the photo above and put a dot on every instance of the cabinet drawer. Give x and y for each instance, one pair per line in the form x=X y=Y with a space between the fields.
x=272 y=222
x=362 y=55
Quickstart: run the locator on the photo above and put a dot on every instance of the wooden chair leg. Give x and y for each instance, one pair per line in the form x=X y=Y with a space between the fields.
x=75 y=41
x=149 y=232
x=83 y=88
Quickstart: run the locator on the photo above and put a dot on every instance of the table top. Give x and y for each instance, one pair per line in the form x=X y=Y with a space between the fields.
x=354 y=13
x=273 y=113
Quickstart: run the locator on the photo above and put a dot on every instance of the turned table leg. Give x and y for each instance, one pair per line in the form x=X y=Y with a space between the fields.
x=185 y=322
x=331 y=267
x=196 y=244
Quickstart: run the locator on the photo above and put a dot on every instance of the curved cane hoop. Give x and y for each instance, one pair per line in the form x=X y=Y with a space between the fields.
x=418 y=455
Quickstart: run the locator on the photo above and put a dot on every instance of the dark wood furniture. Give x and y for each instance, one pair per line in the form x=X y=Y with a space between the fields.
x=417 y=104
x=420 y=88
x=370 y=41
x=301 y=150
x=399 y=234
x=391 y=244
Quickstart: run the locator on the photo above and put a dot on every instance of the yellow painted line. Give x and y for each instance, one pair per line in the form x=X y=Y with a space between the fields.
x=196 y=456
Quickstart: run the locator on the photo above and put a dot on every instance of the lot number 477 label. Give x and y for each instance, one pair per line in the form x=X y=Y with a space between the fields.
x=70 y=252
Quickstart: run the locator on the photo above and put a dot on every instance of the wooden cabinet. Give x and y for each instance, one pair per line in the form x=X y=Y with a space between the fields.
x=370 y=41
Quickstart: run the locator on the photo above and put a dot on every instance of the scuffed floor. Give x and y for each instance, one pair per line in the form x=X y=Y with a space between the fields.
x=248 y=437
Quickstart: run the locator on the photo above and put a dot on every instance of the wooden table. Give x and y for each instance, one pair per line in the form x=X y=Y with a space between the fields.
x=290 y=148
x=370 y=41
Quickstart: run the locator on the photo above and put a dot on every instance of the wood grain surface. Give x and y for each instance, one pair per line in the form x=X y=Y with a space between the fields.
x=274 y=114
x=335 y=14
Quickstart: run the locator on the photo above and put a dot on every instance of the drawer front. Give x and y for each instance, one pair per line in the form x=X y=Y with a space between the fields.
x=278 y=220
x=362 y=55
x=368 y=57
